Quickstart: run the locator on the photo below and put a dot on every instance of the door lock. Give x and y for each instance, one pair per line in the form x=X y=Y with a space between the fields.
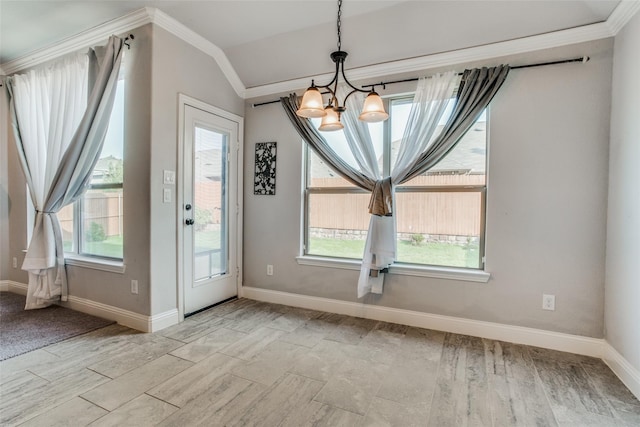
x=187 y=207
x=189 y=221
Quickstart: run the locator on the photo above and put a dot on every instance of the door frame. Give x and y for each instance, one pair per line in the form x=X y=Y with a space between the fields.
x=183 y=101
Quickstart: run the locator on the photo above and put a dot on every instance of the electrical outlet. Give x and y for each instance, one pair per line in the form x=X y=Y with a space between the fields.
x=15 y=262
x=134 y=287
x=548 y=302
x=269 y=270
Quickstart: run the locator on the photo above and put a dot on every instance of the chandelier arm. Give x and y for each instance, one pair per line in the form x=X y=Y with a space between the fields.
x=349 y=94
x=335 y=78
x=352 y=86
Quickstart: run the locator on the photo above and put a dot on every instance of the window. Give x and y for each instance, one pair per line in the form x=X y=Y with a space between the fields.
x=439 y=214
x=93 y=226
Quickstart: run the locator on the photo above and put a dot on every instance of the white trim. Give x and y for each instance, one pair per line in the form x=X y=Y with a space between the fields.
x=627 y=373
x=186 y=34
x=451 y=58
x=450 y=273
x=623 y=12
x=127 y=318
x=11 y=286
x=80 y=41
x=621 y=15
x=163 y=320
x=516 y=334
x=95 y=263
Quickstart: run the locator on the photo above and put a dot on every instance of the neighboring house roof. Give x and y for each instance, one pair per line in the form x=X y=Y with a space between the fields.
x=467 y=157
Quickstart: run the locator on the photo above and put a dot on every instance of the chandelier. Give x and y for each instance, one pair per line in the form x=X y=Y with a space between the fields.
x=312 y=104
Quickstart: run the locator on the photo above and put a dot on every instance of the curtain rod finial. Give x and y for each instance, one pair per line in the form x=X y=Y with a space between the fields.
x=585 y=59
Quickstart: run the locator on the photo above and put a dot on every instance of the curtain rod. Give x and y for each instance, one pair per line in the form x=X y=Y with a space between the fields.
x=126 y=39
x=415 y=79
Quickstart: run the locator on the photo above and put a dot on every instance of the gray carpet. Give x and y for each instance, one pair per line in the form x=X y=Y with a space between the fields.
x=23 y=331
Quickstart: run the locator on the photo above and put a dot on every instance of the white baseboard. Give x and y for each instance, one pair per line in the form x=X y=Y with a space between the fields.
x=628 y=374
x=516 y=334
x=11 y=286
x=127 y=318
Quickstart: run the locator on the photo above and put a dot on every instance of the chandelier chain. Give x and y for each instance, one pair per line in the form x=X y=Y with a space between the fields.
x=339 y=24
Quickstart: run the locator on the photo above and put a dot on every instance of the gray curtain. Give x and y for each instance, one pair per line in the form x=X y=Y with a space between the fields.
x=319 y=145
x=477 y=89
x=45 y=257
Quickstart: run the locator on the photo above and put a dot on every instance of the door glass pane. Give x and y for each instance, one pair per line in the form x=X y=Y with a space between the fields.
x=210 y=207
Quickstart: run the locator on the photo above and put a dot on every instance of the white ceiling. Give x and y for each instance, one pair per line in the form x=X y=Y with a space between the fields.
x=269 y=41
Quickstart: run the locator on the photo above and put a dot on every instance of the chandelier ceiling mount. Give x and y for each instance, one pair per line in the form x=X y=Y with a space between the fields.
x=312 y=105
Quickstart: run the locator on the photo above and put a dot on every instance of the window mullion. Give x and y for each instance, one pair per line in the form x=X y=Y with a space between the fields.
x=77 y=229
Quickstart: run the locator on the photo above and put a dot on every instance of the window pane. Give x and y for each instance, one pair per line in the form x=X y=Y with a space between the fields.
x=338 y=224
x=102 y=225
x=439 y=228
x=101 y=209
x=464 y=165
x=210 y=203
x=322 y=175
x=65 y=216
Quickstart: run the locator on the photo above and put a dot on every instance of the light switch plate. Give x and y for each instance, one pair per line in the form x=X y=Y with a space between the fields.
x=169 y=177
x=166 y=195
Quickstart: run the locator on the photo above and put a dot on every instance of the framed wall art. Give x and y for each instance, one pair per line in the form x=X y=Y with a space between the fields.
x=264 y=181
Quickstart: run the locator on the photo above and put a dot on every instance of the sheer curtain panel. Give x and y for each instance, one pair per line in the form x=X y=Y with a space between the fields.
x=59 y=133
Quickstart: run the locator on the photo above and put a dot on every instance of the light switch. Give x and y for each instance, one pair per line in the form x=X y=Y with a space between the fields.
x=166 y=195
x=169 y=177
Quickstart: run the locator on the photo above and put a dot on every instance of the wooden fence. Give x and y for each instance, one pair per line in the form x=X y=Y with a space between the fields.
x=434 y=213
x=102 y=208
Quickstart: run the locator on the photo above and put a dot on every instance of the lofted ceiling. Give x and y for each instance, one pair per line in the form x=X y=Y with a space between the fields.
x=269 y=41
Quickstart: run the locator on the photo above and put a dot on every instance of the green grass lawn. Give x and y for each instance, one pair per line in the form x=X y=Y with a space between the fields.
x=433 y=253
x=110 y=247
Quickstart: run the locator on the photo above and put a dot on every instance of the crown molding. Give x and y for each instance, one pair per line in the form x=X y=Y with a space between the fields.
x=80 y=41
x=477 y=53
x=622 y=14
x=183 y=32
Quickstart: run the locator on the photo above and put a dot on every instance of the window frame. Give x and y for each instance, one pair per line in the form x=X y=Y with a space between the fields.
x=77 y=256
x=426 y=270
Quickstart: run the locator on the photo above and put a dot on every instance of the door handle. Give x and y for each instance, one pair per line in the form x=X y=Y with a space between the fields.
x=189 y=221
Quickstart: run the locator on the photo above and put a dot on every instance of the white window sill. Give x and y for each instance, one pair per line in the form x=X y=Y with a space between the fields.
x=450 y=273
x=94 y=263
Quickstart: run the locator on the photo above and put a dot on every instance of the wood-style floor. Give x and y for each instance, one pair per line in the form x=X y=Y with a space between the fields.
x=246 y=363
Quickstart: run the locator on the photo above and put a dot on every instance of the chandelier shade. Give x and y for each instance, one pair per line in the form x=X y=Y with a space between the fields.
x=373 y=109
x=331 y=121
x=312 y=104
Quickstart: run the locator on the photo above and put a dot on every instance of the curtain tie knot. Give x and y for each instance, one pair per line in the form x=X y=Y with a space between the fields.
x=381 y=202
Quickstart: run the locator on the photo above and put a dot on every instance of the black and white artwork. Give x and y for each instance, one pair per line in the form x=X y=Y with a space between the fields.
x=265 y=177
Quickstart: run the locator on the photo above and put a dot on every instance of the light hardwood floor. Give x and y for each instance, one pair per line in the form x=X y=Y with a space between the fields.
x=247 y=363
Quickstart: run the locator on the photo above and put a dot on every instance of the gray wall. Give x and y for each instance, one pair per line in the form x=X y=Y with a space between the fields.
x=546 y=215
x=158 y=66
x=177 y=68
x=5 y=258
x=622 y=296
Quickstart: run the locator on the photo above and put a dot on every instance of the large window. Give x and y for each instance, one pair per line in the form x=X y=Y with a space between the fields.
x=93 y=226
x=440 y=214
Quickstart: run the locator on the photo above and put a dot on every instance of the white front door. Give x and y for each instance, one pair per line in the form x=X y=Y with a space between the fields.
x=210 y=208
